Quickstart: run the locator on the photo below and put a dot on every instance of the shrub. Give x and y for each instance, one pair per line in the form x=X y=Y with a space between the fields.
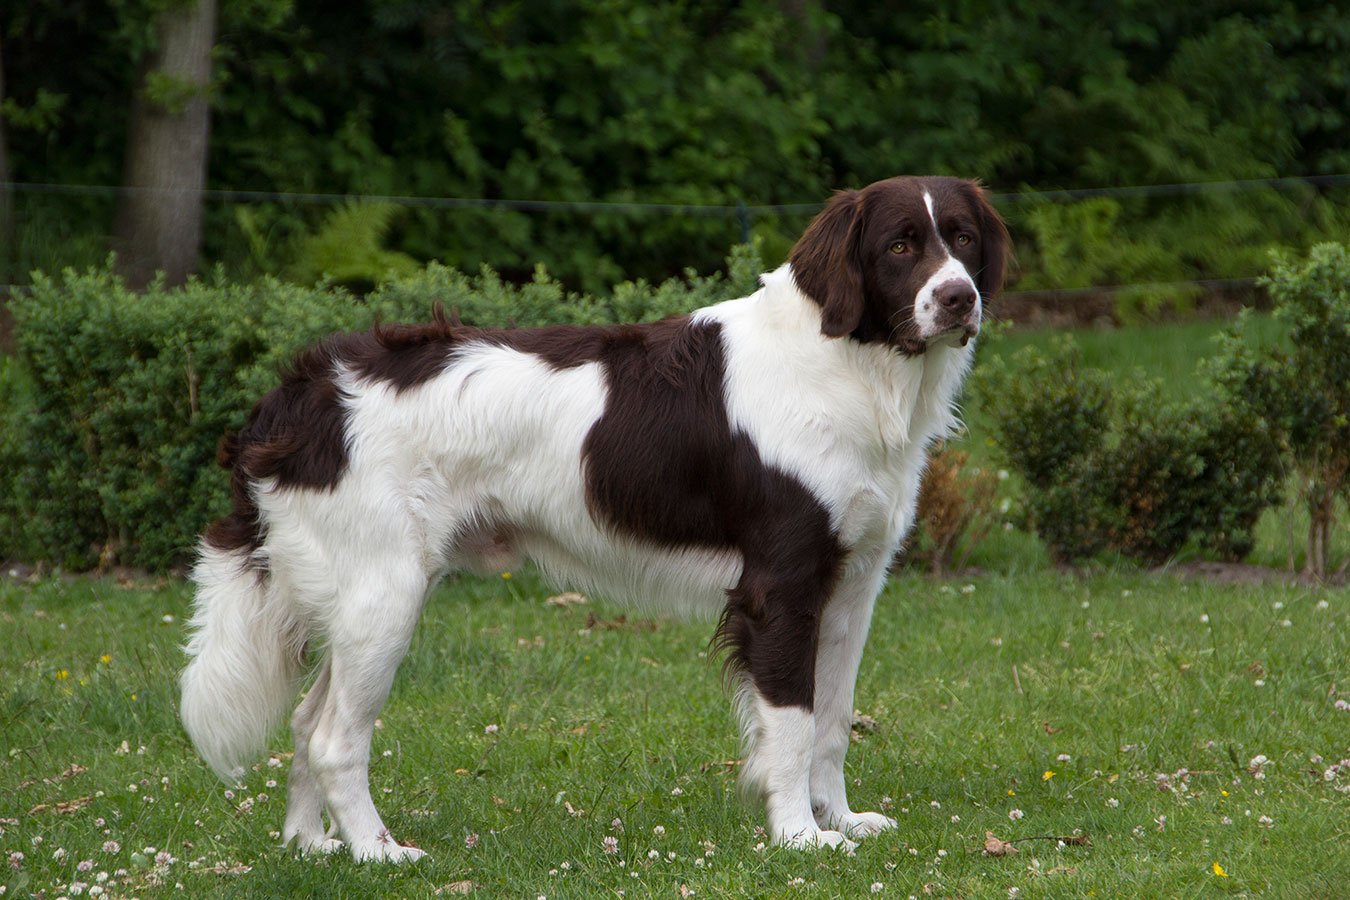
x=955 y=511
x=1302 y=394
x=1116 y=468
x=119 y=399
x=114 y=455
x=348 y=248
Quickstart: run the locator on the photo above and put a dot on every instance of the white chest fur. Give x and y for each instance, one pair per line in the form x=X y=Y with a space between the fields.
x=851 y=421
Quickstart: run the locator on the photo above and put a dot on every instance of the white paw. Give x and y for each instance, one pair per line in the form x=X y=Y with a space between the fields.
x=324 y=845
x=401 y=854
x=861 y=824
x=386 y=849
x=312 y=844
x=815 y=838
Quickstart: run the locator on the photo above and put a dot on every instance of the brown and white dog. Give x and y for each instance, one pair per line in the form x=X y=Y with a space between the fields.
x=758 y=461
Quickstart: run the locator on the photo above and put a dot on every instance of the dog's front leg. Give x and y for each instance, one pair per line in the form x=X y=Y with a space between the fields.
x=778 y=765
x=843 y=632
x=771 y=630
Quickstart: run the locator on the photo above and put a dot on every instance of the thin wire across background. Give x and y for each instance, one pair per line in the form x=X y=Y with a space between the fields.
x=742 y=212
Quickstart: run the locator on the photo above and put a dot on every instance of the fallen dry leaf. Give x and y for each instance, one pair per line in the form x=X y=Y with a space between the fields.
x=62 y=806
x=863 y=722
x=995 y=847
x=726 y=764
x=566 y=599
x=455 y=887
x=620 y=623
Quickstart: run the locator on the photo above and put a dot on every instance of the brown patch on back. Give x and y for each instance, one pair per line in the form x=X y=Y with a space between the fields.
x=664 y=465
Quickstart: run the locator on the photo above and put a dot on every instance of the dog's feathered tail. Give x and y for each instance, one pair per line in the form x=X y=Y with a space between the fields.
x=246 y=662
x=246 y=642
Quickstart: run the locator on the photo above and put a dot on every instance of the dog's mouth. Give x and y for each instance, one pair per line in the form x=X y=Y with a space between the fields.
x=954 y=336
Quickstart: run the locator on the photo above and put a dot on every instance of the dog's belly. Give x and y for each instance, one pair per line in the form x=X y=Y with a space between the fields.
x=582 y=556
x=689 y=581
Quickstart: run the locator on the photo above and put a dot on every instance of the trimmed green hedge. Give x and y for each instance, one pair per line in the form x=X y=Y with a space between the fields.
x=116 y=400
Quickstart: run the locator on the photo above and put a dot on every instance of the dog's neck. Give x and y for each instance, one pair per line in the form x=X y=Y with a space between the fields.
x=909 y=397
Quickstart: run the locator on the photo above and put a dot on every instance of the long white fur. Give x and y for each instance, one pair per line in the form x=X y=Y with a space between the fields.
x=497 y=437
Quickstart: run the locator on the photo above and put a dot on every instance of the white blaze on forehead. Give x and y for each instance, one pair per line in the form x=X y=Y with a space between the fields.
x=932 y=216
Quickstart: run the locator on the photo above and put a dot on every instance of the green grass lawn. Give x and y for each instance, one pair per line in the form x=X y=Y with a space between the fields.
x=1125 y=708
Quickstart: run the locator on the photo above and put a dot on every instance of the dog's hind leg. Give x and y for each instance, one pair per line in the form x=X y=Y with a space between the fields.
x=378 y=609
x=843 y=632
x=304 y=800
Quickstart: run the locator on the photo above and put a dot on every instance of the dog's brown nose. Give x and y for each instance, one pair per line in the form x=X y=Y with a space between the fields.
x=956 y=297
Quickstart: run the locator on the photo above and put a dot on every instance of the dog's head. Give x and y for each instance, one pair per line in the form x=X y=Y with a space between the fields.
x=906 y=261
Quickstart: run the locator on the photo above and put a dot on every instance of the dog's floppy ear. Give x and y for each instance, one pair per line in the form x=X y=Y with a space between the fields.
x=826 y=266
x=994 y=245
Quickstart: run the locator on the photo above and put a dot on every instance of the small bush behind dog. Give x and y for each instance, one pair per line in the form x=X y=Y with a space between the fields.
x=955 y=513
x=1302 y=393
x=1112 y=466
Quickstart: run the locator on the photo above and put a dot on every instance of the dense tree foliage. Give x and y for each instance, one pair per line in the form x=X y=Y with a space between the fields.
x=672 y=102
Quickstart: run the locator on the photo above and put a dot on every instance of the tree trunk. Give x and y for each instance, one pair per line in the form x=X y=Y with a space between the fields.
x=159 y=215
x=1321 y=517
x=6 y=202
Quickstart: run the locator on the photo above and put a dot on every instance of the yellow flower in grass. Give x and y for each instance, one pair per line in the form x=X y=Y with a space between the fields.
x=1047 y=775
x=1218 y=870
x=62 y=675
x=105 y=658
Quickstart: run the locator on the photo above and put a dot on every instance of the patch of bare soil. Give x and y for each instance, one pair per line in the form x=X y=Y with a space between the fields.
x=1240 y=573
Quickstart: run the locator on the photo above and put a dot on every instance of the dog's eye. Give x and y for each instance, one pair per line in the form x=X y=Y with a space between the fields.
x=899 y=247
x=963 y=239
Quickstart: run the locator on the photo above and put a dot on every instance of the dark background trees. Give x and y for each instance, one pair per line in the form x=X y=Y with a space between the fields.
x=676 y=103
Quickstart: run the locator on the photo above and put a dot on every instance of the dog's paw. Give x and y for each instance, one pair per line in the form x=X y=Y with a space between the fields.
x=313 y=844
x=815 y=838
x=398 y=853
x=324 y=845
x=385 y=849
x=863 y=824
